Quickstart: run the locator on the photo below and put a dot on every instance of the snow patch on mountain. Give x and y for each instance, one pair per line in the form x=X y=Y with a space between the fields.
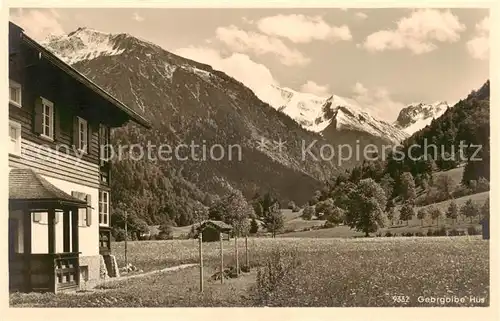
x=416 y=116
x=317 y=113
x=83 y=44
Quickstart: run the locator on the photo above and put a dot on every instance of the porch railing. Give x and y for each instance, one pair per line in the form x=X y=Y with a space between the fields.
x=44 y=272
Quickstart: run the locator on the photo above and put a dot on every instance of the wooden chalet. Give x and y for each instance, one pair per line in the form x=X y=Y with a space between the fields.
x=212 y=230
x=59 y=169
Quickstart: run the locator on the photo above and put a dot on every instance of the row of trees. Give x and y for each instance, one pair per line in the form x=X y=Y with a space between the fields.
x=365 y=207
x=469 y=210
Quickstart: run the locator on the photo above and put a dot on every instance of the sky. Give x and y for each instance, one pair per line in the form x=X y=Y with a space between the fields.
x=385 y=58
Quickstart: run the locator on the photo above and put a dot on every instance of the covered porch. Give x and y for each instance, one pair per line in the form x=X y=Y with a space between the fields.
x=57 y=269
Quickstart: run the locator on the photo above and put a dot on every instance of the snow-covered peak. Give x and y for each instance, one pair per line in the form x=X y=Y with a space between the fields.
x=418 y=115
x=83 y=44
x=317 y=113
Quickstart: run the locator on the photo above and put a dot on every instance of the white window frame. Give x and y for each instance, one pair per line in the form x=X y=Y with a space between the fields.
x=17 y=127
x=103 y=208
x=17 y=86
x=50 y=125
x=83 y=137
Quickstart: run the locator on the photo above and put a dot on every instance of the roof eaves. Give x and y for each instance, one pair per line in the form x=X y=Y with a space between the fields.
x=87 y=82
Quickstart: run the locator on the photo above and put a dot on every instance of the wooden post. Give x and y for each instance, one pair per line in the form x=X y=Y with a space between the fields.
x=221 y=259
x=52 y=230
x=246 y=253
x=27 y=250
x=74 y=230
x=126 y=238
x=200 y=239
x=236 y=254
x=66 y=228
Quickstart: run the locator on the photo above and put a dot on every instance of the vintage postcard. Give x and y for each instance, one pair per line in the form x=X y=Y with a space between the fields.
x=250 y=156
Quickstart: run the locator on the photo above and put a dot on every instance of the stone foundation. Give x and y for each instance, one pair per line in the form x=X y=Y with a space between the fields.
x=89 y=271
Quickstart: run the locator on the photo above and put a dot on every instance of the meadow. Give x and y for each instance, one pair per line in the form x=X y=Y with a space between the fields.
x=329 y=272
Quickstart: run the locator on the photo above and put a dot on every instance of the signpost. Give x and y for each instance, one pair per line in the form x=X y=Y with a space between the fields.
x=221 y=259
x=200 y=238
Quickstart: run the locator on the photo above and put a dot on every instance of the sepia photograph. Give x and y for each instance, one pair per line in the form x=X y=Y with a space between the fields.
x=248 y=157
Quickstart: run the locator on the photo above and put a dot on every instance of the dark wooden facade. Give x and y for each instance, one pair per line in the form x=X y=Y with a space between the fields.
x=43 y=76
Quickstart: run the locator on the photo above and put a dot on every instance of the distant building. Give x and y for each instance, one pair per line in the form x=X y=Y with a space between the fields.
x=212 y=230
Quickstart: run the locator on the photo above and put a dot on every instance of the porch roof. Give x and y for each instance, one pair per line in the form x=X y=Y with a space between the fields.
x=27 y=186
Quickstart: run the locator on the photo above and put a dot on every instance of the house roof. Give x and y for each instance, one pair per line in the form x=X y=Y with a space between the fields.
x=25 y=185
x=220 y=225
x=85 y=81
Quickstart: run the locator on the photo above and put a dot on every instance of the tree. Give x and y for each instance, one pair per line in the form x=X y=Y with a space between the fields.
x=233 y=209
x=445 y=185
x=407 y=212
x=485 y=209
x=452 y=211
x=324 y=208
x=365 y=209
x=258 y=209
x=335 y=216
x=139 y=227
x=315 y=199
x=274 y=220
x=436 y=214
x=470 y=209
x=166 y=232
x=308 y=212
x=254 y=226
x=407 y=182
x=291 y=205
x=422 y=215
x=387 y=183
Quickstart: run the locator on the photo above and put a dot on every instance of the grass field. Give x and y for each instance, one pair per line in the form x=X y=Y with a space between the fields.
x=332 y=272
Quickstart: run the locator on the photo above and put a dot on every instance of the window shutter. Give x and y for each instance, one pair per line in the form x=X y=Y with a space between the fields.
x=37 y=217
x=76 y=133
x=38 y=128
x=89 y=138
x=57 y=123
x=89 y=209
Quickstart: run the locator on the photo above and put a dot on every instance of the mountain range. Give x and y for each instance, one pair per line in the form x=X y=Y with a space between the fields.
x=188 y=101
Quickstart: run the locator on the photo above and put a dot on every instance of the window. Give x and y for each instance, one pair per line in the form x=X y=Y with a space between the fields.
x=82 y=134
x=41 y=217
x=104 y=147
x=82 y=217
x=15 y=138
x=84 y=214
x=15 y=93
x=103 y=207
x=47 y=119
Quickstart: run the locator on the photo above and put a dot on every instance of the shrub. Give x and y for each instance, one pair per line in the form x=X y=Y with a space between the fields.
x=388 y=234
x=166 y=232
x=254 y=226
x=430 y=232
x=276 y=267
x=419 y=234
x=482 y=185
x=472 y=230
x=440 y=232
x=308 y=212
x=453 y=232
x=329 y=224
x=462 y=190
x=118 y=234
